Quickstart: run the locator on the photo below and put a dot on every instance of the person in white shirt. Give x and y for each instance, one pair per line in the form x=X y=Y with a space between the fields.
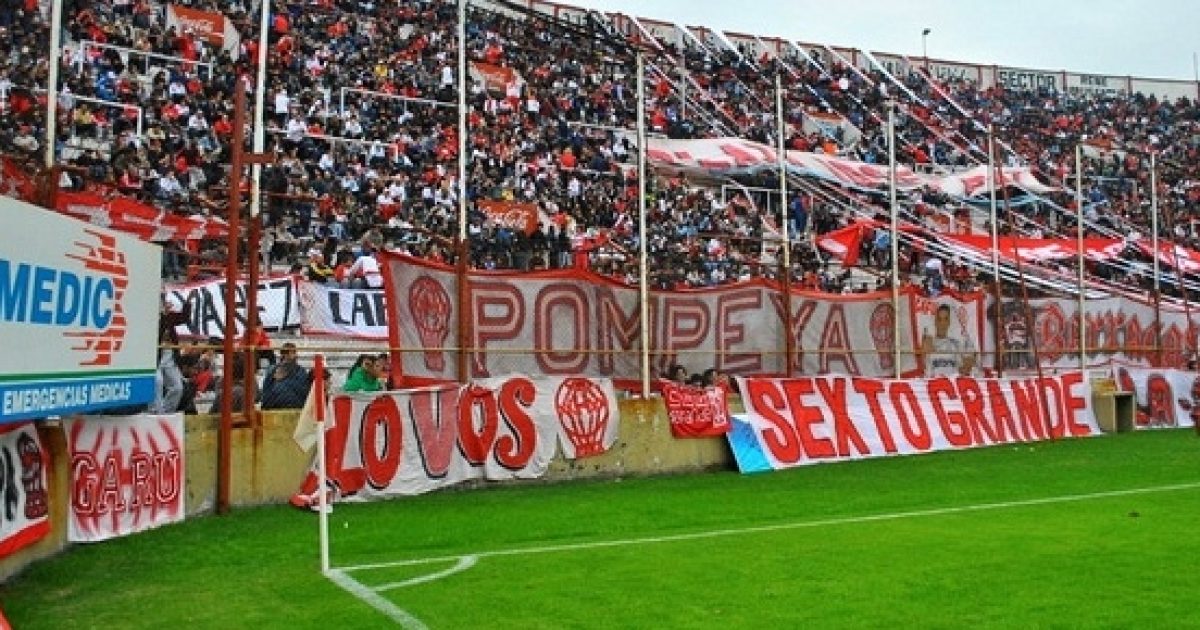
x=944 y=355
x=366 y=271
x=283 y=104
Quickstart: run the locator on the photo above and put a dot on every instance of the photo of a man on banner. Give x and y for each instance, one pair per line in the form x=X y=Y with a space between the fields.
x=945 y=352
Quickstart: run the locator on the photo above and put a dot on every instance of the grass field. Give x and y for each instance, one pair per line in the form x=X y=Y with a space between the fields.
x=1096 y=532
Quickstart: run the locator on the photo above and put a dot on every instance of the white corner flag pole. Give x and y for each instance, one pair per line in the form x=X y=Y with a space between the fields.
x=322 y=499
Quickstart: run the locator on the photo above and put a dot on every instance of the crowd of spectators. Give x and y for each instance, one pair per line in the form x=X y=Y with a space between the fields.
x=359 y=114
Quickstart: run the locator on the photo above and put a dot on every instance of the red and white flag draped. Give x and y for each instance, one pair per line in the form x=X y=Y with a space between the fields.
x=418 y=440
x=133 y=217
x=114 y=211
x=733 y=156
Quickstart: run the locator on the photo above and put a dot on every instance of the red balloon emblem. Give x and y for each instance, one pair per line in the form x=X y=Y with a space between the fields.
x=430 y=307
x=583 y=411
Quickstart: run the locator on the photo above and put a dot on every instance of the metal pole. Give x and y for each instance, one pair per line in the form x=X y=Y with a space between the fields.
x=464 y=249
x=1157 y=269
x=994 y=219
x=789 y=341
x=1079 y=225
x=322 y=474
x=1029 y=326
x=1183 y=292
x=229 y=350
x=52 y=85
x=643 y=275
x=895 y=225
x=462 y=120
x=260 y=128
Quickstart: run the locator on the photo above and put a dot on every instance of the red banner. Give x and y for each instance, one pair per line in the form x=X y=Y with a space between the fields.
x=15 y=182
x=696 y=411
x=213 y=27
x=25 y=509
x=512 y=214
x=127 y=474
x=133 y=217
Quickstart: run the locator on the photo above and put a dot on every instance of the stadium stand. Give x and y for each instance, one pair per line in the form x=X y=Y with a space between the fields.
x=367 y=146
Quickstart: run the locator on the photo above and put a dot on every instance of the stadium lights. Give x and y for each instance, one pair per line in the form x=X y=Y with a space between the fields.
x=924 y=48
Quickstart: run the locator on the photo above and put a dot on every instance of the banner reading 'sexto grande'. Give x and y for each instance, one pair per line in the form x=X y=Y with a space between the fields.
x=800 y=421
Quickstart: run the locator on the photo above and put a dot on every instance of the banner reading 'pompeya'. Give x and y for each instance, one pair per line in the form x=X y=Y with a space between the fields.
x=415 y=441
x=127 y=474
x=573 y=323
x=800 y=421
x=25 y=509
x=77 y=304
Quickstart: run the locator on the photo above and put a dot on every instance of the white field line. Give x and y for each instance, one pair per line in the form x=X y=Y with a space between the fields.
x=464 y=563
x=845 y=520
x=376 y=601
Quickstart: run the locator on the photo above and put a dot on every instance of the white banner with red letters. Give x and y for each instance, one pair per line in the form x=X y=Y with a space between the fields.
x=24 y=497
x=569 y=322
x=809 y=420
x=127 y=474
x=1165 y=398
x=415 y=441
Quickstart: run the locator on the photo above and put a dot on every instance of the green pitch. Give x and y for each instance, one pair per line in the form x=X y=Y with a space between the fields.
x=1094 y=532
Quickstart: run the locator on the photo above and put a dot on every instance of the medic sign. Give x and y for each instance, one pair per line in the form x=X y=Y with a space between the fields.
x=800 y=421
x=415 y=441
x=70 y=295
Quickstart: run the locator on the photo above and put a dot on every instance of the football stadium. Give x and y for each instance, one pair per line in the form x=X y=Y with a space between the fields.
x=337 y=313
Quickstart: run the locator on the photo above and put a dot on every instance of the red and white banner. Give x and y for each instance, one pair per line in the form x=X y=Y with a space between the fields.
x=213 y=27
x=495 y=78
x=329 y=310
x=1039 y=249
x=1166 y=398
x=133 y=217
x=800 y=421
x=696 y=411
x=415 y=441
x=15 y=182
x=127 y=474
x=511 y=214
x=1117 y=330
x=24 y=495
x=731 y=156
x=1174 y=256
x=561 y=323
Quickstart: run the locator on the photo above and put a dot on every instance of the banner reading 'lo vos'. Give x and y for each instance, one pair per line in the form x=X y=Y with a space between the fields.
x=800 y=421
x=415 y=441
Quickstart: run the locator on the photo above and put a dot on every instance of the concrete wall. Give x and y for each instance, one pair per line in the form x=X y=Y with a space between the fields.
x=267 y=466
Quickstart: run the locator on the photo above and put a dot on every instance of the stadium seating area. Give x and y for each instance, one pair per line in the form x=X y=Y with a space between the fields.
x=358 y=164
